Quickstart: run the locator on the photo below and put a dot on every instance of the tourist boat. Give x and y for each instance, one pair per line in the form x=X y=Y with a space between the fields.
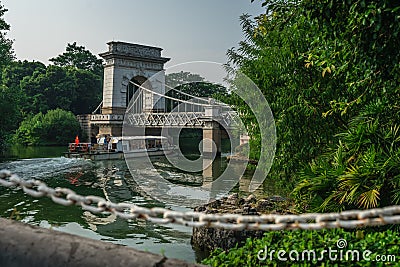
x=121 y=147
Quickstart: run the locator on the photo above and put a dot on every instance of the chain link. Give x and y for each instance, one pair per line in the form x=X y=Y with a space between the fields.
x=267 y=222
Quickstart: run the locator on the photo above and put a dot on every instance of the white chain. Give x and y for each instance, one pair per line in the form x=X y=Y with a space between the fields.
x=269 y=222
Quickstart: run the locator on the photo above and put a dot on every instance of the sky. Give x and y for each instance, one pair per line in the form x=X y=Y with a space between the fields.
x=201 y=30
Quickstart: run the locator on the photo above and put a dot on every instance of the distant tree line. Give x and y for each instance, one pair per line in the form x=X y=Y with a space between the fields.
x=33 y=94
x=41 y=88
x=190 y=84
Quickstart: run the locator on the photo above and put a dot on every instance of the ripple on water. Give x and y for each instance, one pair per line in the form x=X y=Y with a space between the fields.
x=173 y=240
x=45 y=167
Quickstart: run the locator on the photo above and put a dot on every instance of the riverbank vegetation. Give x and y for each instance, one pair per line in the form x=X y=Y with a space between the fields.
x=330 y=71
x=334 y=247
x=56 y=127
x=34 y=95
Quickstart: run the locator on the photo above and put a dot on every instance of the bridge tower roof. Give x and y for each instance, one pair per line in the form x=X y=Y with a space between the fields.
x=123 y=50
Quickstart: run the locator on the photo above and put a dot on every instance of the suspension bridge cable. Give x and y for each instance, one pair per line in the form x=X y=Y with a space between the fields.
x=195 y=97
x=101 y=103
x=137 y=98
x=172 y=98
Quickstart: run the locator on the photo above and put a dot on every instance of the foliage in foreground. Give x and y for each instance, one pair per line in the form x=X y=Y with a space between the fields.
x=379 y=243
x=56 y=127
x=363 y=171
x=323 y=65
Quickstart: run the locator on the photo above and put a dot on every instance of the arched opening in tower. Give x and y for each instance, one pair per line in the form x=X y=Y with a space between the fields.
x=132 y=87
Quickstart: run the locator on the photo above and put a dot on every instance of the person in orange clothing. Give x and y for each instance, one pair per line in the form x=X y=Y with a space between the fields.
x=77 y=144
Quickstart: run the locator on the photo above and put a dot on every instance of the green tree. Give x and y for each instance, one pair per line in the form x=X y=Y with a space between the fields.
x=272 y=55
x=30 y=131
x=178 y=78
x=67 y=88
x=87 y=91
x=56 y=127
x=47 y=89
x=12 y=76
x=6 y=51
x=8 y=99
x=323 y=65
x=79 y=57
x=9 y=114
x=16 y=71
x=361 y=169
x=85 y=72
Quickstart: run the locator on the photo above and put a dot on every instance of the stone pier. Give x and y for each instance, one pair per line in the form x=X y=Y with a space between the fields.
x=211 y=132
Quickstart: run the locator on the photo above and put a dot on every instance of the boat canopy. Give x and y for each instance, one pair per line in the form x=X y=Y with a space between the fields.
x=115 y=140
x=144 y=137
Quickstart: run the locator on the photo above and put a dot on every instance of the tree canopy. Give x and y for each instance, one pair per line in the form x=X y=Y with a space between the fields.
x=56 y=127
x=8 y=100
x=193 y=83
x=30 y=89
x=330 y=71
x=6 y=51
x=54 y=87
x=79 y=57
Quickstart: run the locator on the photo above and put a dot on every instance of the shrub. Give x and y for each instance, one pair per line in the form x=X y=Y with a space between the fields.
x=363 y=171
x=379 y=243
x=56 y=127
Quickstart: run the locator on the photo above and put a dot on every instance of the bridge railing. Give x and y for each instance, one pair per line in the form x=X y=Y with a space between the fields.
x=182 y=109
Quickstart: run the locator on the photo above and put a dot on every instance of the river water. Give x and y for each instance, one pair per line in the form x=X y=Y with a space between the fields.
x=88 y=178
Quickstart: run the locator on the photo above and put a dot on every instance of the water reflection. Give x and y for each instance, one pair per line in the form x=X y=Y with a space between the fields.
x=106 y=179
x=113 y=181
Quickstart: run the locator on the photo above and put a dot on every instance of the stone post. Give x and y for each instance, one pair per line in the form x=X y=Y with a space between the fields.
x=211 y=132
x=211 y=139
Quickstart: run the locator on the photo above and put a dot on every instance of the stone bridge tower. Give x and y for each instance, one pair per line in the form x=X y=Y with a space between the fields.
x=126 y=63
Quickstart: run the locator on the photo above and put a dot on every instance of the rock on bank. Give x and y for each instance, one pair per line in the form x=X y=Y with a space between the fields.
x=208 y=239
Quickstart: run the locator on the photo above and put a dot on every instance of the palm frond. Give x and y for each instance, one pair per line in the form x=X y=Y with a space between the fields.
x=369 y=199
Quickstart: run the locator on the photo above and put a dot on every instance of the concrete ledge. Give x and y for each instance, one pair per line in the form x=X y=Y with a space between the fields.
x=26 y=245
